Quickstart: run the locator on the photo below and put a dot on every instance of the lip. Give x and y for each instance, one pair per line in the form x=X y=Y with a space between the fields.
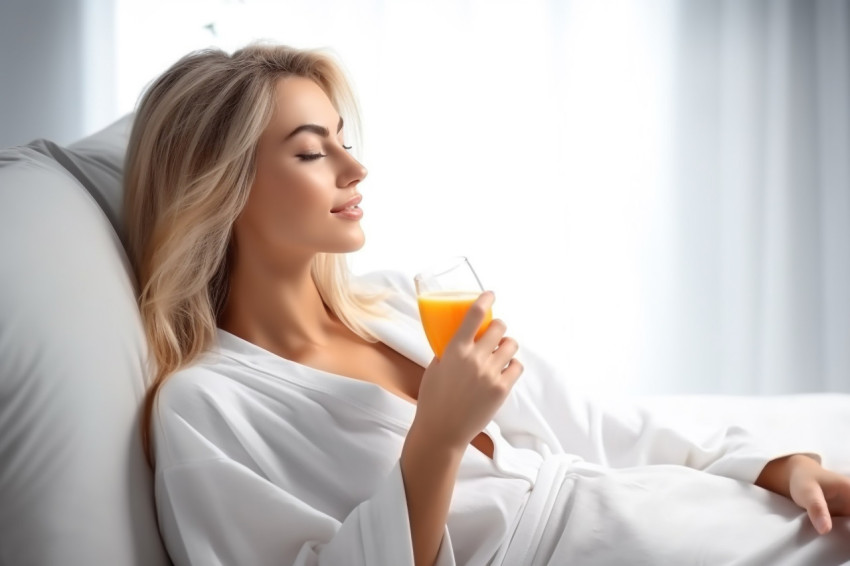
x=354 y=201
x=354 y=213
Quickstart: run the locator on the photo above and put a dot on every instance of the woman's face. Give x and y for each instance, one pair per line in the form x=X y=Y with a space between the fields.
x=304 y=196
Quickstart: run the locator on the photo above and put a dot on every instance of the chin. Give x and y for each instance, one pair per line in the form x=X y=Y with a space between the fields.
x=351 y=245
x=358 y=246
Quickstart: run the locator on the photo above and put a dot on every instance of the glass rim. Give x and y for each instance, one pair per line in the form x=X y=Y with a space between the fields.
x=446 y=265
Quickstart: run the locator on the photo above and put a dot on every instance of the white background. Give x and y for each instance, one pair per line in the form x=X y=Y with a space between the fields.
x=657 y=191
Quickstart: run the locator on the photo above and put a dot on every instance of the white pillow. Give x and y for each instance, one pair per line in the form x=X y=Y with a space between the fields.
x=74 y=487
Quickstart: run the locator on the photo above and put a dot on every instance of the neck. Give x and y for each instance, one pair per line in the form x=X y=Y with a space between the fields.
x=280 y=310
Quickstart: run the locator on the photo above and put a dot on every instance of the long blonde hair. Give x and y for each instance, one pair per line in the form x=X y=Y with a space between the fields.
x=189 y=170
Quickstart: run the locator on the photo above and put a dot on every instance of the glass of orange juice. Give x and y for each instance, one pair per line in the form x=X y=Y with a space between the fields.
x=444 y=293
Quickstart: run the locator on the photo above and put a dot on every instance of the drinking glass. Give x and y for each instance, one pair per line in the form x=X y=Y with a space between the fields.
x=444 y=294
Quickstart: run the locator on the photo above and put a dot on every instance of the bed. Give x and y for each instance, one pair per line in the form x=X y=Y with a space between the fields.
x=74 y=486
x=819 y=422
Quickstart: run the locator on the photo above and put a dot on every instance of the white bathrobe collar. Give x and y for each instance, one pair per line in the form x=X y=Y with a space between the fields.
x=398 y=331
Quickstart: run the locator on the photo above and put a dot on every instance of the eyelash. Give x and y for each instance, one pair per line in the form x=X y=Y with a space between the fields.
x=314 y=156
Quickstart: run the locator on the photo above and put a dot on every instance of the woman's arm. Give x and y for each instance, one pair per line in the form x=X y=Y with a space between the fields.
x=218 y=511
x=545 y=405
x=223 y=499
x=458 y=396
x=429 y=471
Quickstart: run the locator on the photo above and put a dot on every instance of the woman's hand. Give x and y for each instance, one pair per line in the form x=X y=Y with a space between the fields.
x=461 y=392
x=822 y=493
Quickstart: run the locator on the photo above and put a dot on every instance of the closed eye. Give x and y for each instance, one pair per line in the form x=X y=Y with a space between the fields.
x=314 y=156
x=310 y=156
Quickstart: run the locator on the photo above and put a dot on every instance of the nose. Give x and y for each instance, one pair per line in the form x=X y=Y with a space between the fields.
x=352 y=172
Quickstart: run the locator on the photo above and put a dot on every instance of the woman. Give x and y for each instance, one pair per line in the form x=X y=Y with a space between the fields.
x=297 y=417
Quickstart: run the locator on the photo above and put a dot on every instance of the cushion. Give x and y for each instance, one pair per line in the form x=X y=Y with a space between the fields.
x=96 y=162
x=74 y=486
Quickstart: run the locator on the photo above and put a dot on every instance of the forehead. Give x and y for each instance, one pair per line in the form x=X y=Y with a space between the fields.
x=299 y=101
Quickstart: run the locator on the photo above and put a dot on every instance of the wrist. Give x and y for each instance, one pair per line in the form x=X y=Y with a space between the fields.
x=422 y=441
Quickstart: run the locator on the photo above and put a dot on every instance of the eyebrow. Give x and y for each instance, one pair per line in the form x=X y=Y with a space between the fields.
x=314 y=128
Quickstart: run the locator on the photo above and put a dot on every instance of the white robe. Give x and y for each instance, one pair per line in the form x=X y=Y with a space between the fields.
x=264 y=461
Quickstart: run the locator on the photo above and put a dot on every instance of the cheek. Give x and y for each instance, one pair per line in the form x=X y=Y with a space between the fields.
x=284 y=205
x=297 y=198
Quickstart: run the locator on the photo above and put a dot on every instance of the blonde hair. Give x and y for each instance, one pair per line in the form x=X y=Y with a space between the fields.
x=189 y=170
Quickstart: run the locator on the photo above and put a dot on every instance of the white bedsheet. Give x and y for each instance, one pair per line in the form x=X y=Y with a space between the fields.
x=819 y=421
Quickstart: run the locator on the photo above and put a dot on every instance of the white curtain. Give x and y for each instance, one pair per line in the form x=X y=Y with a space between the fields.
x=759 y=258
x=657 y=191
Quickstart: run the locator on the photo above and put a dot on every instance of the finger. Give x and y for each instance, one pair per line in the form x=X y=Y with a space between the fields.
x=507 y=349
x=512 y=372
x=815 y=505
x=492 y=337
x=837 y=494
x=475 y=316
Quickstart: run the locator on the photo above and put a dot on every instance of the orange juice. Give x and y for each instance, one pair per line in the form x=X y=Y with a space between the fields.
x=442 y=312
